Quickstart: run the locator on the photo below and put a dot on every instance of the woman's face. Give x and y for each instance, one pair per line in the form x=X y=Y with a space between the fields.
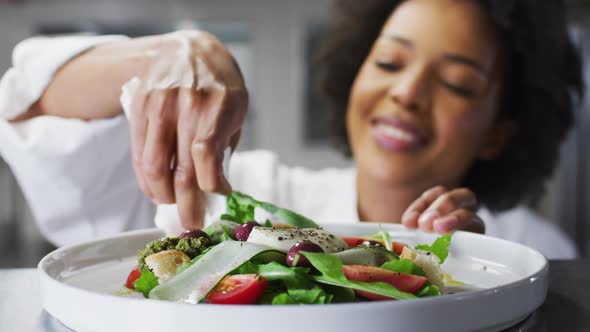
x=423 y=105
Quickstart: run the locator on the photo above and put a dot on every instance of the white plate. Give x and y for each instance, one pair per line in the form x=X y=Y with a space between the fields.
x=509 y=282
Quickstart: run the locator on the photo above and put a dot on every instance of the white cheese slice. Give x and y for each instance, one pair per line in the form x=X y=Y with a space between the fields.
x=283 y=239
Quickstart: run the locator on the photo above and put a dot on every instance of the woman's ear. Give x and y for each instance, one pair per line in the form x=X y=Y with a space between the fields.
x=497 y=138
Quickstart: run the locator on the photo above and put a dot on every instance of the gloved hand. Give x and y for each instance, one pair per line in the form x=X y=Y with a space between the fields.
x=185 y=111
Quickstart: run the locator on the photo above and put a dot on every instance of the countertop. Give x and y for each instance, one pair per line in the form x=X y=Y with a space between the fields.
x=566 y=308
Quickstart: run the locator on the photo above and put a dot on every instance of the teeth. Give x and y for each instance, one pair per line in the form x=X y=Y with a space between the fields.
x=396 y=133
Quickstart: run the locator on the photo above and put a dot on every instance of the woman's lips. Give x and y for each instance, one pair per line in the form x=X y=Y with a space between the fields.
x=396 y=136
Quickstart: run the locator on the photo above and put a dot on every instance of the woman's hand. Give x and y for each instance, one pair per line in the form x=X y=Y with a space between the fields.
x=444 y=211
x=189 y=108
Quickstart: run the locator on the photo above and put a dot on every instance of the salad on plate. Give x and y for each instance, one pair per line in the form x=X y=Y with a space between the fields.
x=290 y=260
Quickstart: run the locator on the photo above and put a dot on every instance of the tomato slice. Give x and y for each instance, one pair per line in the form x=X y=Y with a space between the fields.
x=398 y=247
x=352 y=242
x=238 y=289
x=133 y=275
x=408 y=283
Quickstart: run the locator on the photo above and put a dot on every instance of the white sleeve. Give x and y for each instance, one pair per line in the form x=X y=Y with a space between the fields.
x=76 y=175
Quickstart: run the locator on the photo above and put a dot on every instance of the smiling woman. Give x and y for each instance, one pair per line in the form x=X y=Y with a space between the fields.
x=441 y=103
x=472 y=83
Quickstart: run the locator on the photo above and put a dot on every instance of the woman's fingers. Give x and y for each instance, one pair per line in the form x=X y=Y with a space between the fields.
x=211 y=140
x=138 y=127
x=188 y=196
x=419 y=206
x=208 y=160
x=444 y=211
x=444 y=205
x=462 y=219
x=195 y=107
x=160 y=145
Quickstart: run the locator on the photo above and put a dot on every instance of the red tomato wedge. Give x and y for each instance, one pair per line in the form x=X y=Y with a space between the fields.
x=405 y=282
x=238 y=289
x=352 y=242
x=133 y=275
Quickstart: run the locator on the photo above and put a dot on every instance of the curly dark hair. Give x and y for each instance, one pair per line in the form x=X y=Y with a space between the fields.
x=544 y=79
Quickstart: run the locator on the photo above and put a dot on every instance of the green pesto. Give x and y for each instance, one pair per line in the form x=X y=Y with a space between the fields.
x=191 y=247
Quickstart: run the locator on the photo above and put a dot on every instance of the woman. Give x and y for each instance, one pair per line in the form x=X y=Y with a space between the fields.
x=435 y=93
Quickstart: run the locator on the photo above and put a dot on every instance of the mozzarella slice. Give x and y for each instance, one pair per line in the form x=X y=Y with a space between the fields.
x=283 y=239
x=427 y=262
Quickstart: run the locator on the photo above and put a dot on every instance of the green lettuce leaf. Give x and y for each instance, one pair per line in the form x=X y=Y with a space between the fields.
x=440 y=247
x=314 y=295
x=429 y=290
x=331 y=269
x=282 y=298
x=340 y=294
x=146 y=282
x=386 y=239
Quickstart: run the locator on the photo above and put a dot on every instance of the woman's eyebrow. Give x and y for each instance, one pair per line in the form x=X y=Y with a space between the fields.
x=405 y=42
x=468 y=62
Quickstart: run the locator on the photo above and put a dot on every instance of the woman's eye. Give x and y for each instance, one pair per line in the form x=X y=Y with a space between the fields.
x=463 y=92
x=388 y=66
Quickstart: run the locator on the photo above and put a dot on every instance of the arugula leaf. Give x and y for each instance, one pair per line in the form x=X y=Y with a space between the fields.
x=429 y=290
x=293 y=277
x=440 y=247
x=404 y=266
x=315 y=295
x=240 y=208
x=293 y=287
x=237 y=211
x=146 y=282
x=227 y=234
x=331 y=269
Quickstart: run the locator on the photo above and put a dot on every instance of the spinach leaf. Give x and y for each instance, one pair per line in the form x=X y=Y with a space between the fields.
x=331 y=269
x=404 y=266
x=146 y=282
x=440 y=247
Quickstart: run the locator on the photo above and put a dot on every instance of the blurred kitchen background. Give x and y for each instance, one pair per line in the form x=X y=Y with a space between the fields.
x=273 y=41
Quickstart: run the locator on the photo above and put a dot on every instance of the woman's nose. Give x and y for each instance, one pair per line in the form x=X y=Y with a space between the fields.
x=410 y=90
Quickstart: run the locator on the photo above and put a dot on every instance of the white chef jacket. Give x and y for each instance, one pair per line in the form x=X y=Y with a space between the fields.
x=78 y=178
